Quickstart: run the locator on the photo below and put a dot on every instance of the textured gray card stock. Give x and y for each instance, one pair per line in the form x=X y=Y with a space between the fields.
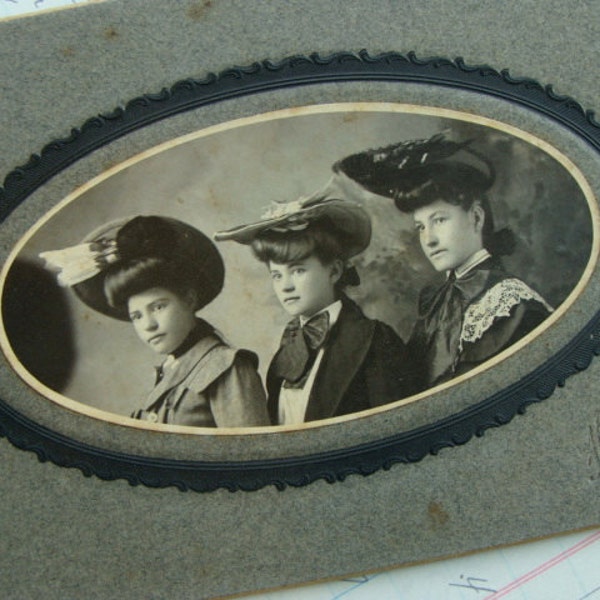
x=63 y=535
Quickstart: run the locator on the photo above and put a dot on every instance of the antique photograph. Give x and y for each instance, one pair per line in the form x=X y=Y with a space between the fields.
x=296 y=267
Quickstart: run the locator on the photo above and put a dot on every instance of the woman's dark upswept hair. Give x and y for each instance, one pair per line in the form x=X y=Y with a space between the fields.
x=317 y=239
x=138 y=275
x=460 y=185
x=415 y=173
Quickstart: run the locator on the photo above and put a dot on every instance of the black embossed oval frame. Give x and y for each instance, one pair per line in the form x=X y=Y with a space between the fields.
x=485 y=339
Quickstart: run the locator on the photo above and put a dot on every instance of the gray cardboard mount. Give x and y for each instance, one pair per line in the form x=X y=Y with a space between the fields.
x=63 y=535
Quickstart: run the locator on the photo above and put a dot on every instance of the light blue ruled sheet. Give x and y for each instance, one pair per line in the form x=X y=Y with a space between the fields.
x=565 y=567
x=13 y=8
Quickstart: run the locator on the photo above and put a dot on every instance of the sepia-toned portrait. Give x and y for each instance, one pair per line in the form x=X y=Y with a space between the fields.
x=295 y=267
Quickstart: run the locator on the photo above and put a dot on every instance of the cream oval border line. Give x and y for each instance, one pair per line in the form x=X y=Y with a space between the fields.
x=339 y=107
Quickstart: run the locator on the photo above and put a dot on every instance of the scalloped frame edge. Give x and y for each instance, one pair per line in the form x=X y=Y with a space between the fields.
x=336 y=465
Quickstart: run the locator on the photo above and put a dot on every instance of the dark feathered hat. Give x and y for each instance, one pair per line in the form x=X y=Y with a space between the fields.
x=414 y=173
x=85 y=266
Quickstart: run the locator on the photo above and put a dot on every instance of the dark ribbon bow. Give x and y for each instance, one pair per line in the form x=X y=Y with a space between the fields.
x=444 y=313
x=299 y=348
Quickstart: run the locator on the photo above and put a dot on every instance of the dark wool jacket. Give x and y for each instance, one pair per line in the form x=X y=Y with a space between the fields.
x=365 y=364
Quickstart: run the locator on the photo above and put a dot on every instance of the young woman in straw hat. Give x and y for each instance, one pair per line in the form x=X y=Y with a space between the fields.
x=333 y=360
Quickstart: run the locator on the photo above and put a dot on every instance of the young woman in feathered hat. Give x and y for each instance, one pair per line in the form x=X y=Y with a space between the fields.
x=481 y=309
x=333 y=360
x=157 y=272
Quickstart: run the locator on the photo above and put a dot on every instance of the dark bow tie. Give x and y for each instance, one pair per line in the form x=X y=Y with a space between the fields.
x=442 y=312
x=299 y=348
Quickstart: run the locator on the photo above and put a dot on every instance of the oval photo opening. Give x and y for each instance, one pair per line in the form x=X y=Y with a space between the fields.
x=297 y=267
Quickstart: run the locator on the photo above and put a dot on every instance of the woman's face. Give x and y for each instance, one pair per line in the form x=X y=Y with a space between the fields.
x=449 y=234
x=306 y=286
x=161 y=318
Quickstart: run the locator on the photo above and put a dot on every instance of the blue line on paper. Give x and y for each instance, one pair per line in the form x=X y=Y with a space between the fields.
x=589 y=594
x=360 y=581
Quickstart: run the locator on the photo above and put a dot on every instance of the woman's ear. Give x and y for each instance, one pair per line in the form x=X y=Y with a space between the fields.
x=478 y=216
x=191 y=299
x=337 y=270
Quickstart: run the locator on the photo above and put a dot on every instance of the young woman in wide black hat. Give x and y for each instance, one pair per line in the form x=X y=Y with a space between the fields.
x=480 y=309
x=157 y=273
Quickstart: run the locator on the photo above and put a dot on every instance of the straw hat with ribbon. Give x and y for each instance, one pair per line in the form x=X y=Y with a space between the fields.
x=346 y=219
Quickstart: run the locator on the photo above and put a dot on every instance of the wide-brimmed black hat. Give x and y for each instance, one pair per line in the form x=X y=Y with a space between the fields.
x=348 y=220
x=415 y=173
x=84 y=267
